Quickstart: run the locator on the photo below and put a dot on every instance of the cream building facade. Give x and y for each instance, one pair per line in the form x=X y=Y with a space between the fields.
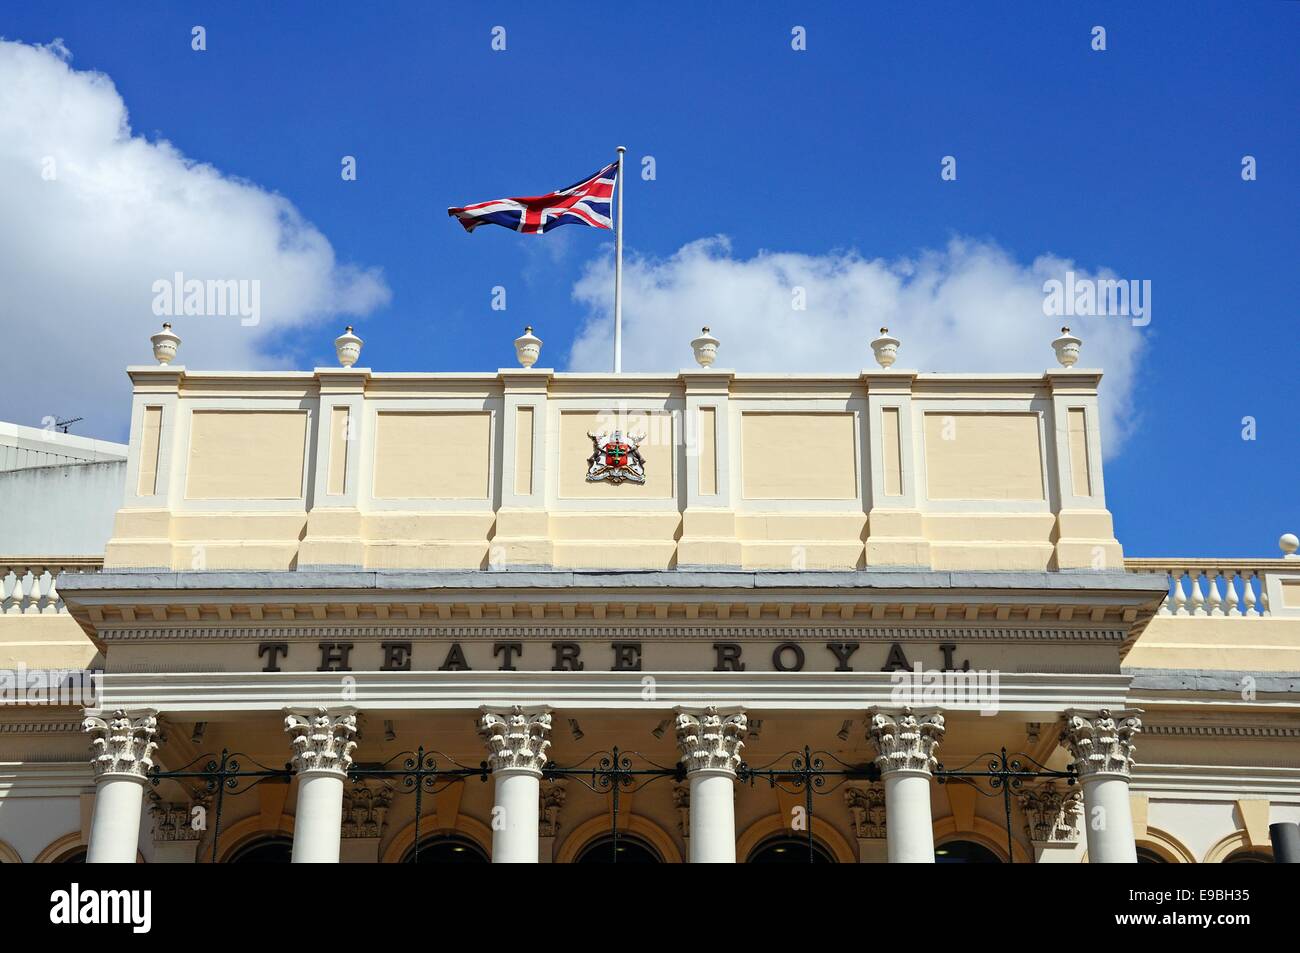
x=798 y=616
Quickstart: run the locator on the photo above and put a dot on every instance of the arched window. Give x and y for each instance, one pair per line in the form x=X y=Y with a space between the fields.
x=265 y=850
x=75 y=857
x=1248 y=857
x=964 y=852
x=787 y=849
x=447 y=849
x=631 y=850
x=1147 y=855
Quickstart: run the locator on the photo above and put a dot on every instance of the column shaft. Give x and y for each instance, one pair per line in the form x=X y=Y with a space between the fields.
x=115 y=822
x=514 y=816
x=1109 y=820
x=910 y=830
x=713 y=817
x=318 y=818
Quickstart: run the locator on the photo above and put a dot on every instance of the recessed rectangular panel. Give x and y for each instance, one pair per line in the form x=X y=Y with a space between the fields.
x=892 y=450
x=708 y=454
x=150 y=436
x=524 y=451
x=983 y=456
x=656 y=448
x=338 y=442
x=1080 y=472
x=797 y=456
x=434 y=456
x=246 y=454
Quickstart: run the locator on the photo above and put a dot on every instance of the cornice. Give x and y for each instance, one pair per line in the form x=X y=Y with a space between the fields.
x=669 y=633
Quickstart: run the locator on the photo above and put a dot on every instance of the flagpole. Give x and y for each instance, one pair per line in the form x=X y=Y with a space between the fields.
x=618 y=270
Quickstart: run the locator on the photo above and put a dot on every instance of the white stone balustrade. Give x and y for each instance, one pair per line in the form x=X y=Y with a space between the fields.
x=1210 y=587
x=29 y=586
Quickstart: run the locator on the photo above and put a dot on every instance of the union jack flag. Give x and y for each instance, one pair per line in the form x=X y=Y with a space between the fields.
x=584 y=203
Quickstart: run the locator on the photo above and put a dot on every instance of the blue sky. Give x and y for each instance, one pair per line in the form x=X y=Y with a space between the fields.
x=1127 y=159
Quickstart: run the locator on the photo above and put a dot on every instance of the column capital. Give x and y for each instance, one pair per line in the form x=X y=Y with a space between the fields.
x=905 y=740
x=122 y=743
x=1100 y=741
x=710 y=741
x=1051 y=812
x=323 y=739
x=517 y=740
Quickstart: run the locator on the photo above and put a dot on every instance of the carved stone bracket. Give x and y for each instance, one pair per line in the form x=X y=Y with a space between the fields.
x=1051 y=813
x=365 y=809
x=682 y=804
x=517 y=740
x=552 y=798
x=323 y=739
x=175 y=822
x=905 y=741
x=710 y=741
x=123 y=743
x=866 y=804
x=1100 y=742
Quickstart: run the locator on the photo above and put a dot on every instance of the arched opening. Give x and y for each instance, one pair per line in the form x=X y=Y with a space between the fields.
x=74 y=857
x=964 y=852
x=630 y=850
x=265 y=850
x=1148 y=855
x=1249 y=857
x=447 y=849
x=788 y=849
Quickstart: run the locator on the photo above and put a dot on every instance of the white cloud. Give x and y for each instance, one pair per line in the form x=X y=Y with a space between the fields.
x=79 y=253
x=970 y=307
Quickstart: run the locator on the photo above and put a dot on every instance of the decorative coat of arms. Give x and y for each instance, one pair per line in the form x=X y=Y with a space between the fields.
x=616 y=459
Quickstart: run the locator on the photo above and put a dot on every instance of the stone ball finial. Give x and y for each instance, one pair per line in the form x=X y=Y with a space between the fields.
x=347 y=346
x=1067 y=348
x=1289 y=543
x=705 y=347
x=528 y=347
x=165 y=344
x=885 y=348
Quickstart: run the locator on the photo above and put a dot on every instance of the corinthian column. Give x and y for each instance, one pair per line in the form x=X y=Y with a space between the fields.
x=323 y=740
x=710 y=748
x=517 y=742
x=1101 y=746
x=905 y=744
x=121 y=755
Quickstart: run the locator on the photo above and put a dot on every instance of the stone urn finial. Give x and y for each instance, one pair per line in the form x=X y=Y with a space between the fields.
x=705 y=347
x=885 y=348
x=165 y=344
x=528 y=348
x=348 y=347
x=1289 y=543
x=1067 y=348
